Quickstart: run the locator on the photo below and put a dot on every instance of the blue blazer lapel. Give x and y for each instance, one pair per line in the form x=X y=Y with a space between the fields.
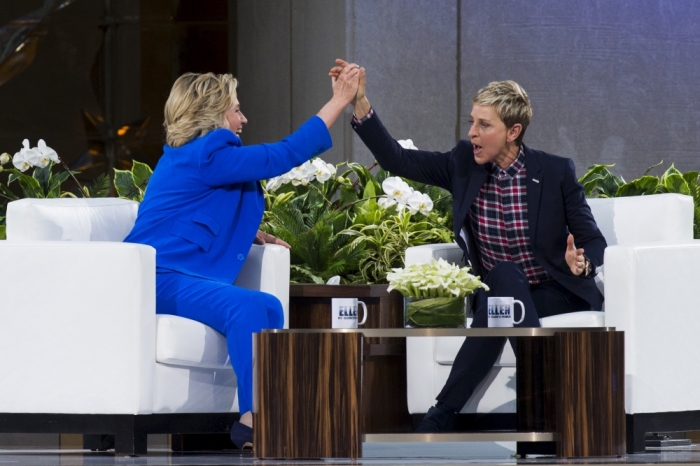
x=535 y=179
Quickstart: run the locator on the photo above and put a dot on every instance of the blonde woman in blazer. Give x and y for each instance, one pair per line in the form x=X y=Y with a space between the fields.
x=204 y=204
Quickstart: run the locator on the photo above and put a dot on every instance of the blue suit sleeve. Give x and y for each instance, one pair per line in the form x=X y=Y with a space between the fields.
x=222 y=162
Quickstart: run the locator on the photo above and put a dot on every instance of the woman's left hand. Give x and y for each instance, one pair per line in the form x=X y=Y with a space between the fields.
x=262 y=238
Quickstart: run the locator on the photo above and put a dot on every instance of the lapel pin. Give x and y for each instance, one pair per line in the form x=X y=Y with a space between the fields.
x=536 y=181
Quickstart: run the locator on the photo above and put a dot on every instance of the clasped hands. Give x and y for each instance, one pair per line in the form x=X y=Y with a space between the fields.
x=358 y=100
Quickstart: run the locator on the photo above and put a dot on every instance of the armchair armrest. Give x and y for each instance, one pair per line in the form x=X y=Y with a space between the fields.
x=267 y=269
x=651 y=294
x=77 y=327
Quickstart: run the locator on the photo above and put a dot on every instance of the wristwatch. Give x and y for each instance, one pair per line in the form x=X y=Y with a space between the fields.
x=586 y=267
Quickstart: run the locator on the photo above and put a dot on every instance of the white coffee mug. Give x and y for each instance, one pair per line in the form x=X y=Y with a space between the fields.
x=502 y=311
x=345 y=312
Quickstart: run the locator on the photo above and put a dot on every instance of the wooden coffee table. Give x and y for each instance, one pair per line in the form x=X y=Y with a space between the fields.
x=308 y=391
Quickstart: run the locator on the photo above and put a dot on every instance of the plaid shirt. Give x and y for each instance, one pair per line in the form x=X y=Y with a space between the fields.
x=498 y=220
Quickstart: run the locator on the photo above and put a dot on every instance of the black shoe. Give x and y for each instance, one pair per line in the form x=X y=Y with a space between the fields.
x=439 y=418
x=241 y=436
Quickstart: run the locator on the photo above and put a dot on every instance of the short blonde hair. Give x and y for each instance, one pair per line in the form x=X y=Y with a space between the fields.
x=197 y=105
x=510 y=101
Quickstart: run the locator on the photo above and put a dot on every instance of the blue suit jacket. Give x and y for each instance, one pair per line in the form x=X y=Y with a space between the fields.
x=204 y=203
x=556 y=201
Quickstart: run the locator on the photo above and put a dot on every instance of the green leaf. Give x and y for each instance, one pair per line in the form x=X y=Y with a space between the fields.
x=639 y=187
x=7 y=193
x=672 y=170
x=652 y=167
x=692 y=179
x=101 y=187
x=124 y=184
x=56 y=182
x=43 y=176
x=674 y=183
x=30 y=187
x=347 y=196
x=595 y=171
x=142 y=173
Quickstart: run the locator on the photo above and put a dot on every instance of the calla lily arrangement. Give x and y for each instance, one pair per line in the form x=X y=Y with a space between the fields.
x=346 y=220
x=437 y=279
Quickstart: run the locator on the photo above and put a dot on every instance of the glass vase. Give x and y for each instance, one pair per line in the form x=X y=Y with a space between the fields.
x=434 y=312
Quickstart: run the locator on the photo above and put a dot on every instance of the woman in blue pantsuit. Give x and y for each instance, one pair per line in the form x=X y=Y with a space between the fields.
x=204 y=204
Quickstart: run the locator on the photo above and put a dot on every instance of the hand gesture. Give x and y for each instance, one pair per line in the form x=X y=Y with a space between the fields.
x=574 y=257
x=261 y=238
x=340 y=66
x=345 y=82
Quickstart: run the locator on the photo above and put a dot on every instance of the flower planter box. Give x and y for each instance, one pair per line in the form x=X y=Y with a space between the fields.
x=384 y=406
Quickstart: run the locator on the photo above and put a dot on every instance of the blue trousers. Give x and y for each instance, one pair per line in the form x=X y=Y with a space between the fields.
x=231 y=310
x=478 y=354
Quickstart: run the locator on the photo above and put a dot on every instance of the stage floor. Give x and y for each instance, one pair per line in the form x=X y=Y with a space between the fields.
x=384 y=454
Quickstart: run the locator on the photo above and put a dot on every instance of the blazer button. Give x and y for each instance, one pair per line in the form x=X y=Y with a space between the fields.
x=241 y=257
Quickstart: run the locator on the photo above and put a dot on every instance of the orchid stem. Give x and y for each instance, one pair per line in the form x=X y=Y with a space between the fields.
x=80 y=186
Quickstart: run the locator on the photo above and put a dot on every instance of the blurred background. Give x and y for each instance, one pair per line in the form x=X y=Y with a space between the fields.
x=610 y=81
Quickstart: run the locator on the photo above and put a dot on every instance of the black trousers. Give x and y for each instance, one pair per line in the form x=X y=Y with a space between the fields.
x=478 y=354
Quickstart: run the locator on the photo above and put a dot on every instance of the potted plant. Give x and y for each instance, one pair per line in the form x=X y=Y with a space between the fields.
x=348 y=222
x=600 y=181
x=434 y=293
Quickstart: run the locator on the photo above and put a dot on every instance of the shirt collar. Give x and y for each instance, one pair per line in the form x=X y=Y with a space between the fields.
x=512 y=169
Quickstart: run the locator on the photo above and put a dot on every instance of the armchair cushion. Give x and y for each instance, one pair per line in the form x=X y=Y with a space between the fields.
x=69 y=219
x=185 y=342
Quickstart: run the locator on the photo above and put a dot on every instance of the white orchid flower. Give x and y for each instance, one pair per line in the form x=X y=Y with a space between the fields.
x=273 y=184
x=322 y=173
x=302 y=174
x=397 y=192
x=419 y=202
x=26 y=158
x=4 y=158
x=406 y=144
x=47 y=154
x=386 y=202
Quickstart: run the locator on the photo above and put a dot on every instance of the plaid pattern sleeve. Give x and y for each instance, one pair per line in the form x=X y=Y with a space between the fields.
x=357 y=122
x=498 y=221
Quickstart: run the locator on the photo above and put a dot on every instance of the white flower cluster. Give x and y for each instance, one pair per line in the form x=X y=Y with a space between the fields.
x=303 y=174
x=437 y=279
x=399 y=193
x=39 y=156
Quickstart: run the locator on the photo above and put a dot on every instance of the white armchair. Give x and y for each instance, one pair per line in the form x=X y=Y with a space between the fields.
x=649 y=284
x=81 y=348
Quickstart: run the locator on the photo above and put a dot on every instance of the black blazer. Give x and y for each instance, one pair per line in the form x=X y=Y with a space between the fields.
x=555 y=200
